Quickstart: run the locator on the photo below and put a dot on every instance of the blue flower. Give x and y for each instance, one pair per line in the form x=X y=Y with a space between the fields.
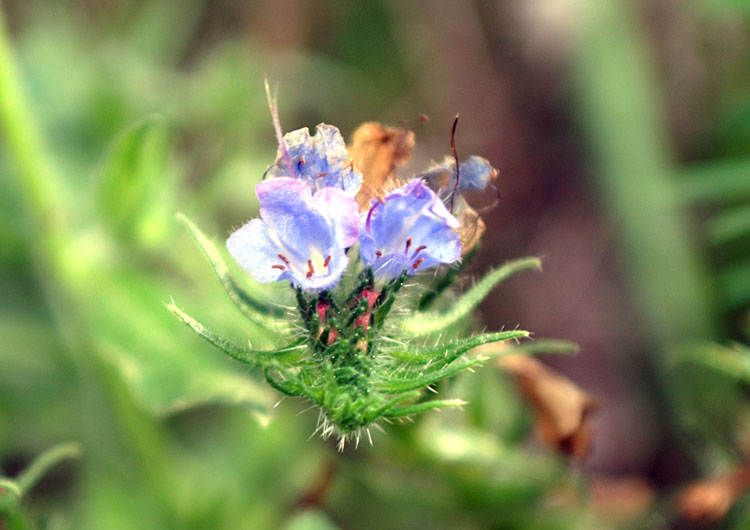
x=410 y=229
x=300 y=237
x=320 y=160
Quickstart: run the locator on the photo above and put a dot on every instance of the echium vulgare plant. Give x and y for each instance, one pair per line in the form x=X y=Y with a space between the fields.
x=344 y=234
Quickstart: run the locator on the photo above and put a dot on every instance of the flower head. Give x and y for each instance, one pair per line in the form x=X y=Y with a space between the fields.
x=300 y=237
x=320 y=160
x=411 y=229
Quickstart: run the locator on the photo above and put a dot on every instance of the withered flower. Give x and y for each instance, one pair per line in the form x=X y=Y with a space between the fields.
x=474 y=173
x=376 y=151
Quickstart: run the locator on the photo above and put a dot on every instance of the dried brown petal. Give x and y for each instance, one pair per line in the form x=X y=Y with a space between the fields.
x=562 y=409
x=472 y=226
x=376 y=150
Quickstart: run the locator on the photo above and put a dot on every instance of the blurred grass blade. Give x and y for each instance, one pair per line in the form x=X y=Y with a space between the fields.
x=731 y=361
x=132 y=181
x=426 y=323
x=725 y=181
x=165 y=370
x=730 y=225
x=621 y=113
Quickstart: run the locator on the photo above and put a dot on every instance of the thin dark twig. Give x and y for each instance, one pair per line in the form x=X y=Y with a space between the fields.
x=455 y=155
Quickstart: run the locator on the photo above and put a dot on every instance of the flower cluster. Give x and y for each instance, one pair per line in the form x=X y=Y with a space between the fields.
x=345 y=231
x=309 y=220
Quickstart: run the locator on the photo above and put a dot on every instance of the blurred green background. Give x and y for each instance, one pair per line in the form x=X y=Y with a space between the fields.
x=622 y=134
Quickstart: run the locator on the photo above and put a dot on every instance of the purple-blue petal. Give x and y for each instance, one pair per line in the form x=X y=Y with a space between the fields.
x=300 y=237
x=320 y=160
x=411 y=229
x=255 y=251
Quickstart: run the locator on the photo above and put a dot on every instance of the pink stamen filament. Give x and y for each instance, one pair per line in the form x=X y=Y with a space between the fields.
x=369 y=214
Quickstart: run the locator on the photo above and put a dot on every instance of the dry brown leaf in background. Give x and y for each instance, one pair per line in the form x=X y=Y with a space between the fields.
x=376 y=150
x=708 y=501
x=562 y=409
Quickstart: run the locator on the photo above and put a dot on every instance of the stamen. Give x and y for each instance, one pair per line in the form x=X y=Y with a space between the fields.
x=323 y=174
x=310 y=269
x=280 y=267
x=302 y=161
x=327 y=261
x=378 y=253
x=418 y=250
x=417 y=263
x=369 y=214
x=283 y=258
x=455 y=156
x=408 y=244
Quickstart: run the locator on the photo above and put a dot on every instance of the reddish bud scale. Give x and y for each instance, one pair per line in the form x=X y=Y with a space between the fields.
x=322 y=309
x=363 y=320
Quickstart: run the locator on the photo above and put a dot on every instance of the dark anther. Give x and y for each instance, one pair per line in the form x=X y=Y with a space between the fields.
x=310 y=269
x=418 y=250
x=408 y=244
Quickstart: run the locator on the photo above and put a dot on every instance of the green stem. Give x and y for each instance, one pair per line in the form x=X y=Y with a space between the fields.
x=44 y=462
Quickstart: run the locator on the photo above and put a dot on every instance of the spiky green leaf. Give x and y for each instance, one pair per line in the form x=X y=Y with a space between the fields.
x=422 y=324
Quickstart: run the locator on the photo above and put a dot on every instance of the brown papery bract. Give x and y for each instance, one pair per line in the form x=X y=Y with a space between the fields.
x=376 y=151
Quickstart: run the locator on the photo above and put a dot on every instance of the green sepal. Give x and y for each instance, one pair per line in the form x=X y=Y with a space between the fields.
x=255 y=310
x=427 y=323
x=447 y=353
x=406 y=384
x=389 y=297
x=244 y=355
x=446 y=280
x=408 y=410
